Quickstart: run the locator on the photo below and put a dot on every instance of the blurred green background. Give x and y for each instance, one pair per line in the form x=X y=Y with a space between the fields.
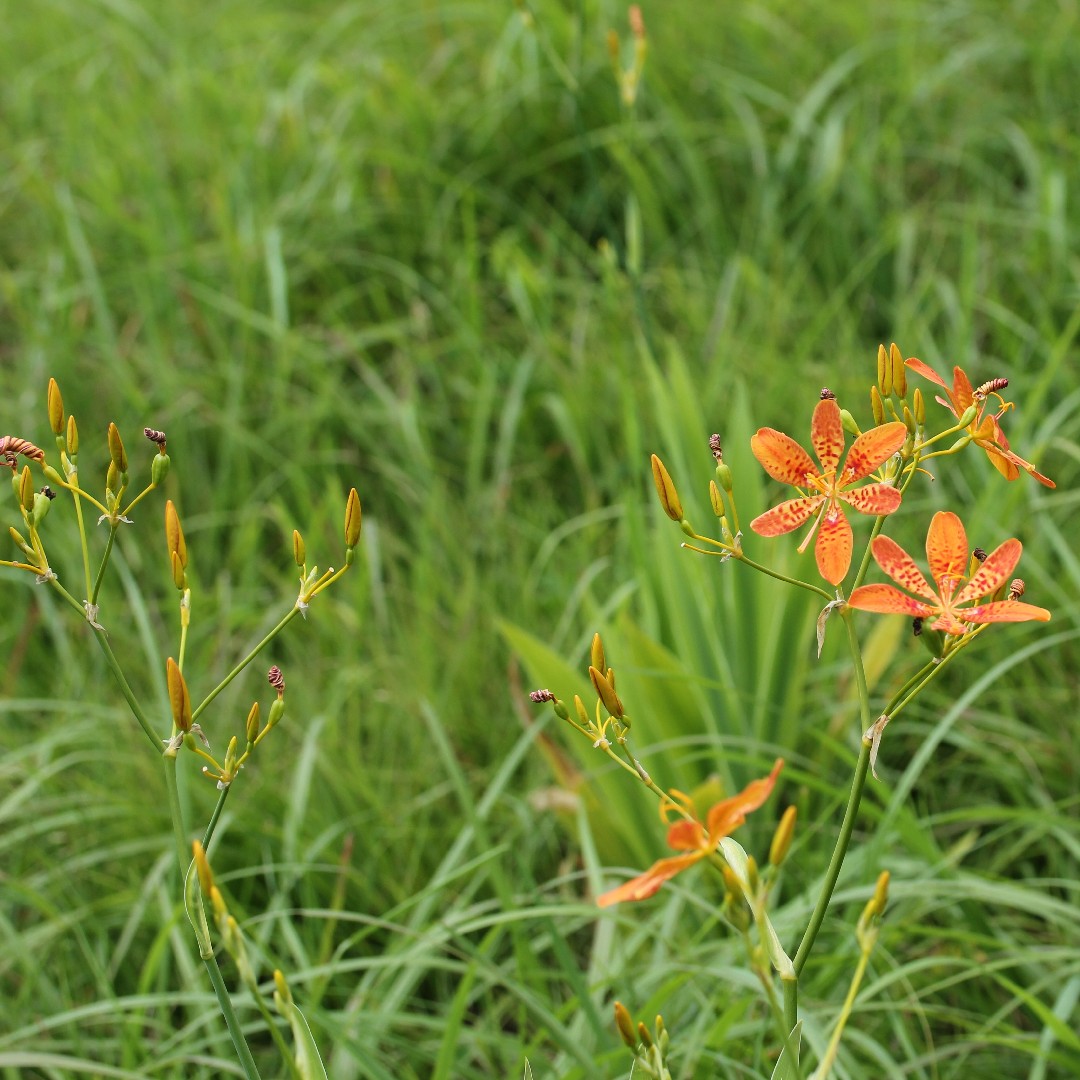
x=424 y=249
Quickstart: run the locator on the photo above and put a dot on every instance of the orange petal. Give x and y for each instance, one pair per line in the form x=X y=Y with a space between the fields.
x=900 y=566
x=947 y=624
x=947 y=551
x=729 y=814
x=886 y=600
x=782 y=457
x=926 y=372
x=962 y=395
x=994 y=572
x=827 y=434
x=1000 y=460
x=647 y=884
x=686 y=836
x=1004 y=611
x=874 y=499
x=787 y=516
x=833 y=548
x=1016 y=461
x=873 y=448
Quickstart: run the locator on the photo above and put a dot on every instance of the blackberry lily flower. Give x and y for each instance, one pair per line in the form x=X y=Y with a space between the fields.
x=830 y=486
x=985 y=431
x=948 y=554
x=696 y=839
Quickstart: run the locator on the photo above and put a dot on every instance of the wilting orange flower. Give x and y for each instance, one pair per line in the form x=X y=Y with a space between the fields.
x=948 y=555
x=785 y=460
x=985 y=430
x=697 y=840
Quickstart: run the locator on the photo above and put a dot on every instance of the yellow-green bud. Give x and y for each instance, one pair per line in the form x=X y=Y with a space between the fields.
x=625 y=1025
x=25 y=490
x=72 y=437
x=716 y=499
x=877 y=406
x=217 y=901
x=159 y=468
x=230 y=757
x=178 y=575
x=781 y=841
x=884 y=372
x=644 y=1037
x=174 y=535
x=42 y=502
x=724 y=477
x=909 y=420
x=582 y=712
x=112 y=478
x=116 y=449
x=899 y=371
x=753 y=878
x=56 y=408
x=662 y=1037
x=848 y=423
x=52 y=475
x=281 y=990
x=251 y=728
x=298 y=550
x=23 y=545
x=606 y=693
x=881 y=893
x=352 y=519
x=969 y=414
x=919 y=407
x=561 y=711
x=669 y=497
x=596 y=653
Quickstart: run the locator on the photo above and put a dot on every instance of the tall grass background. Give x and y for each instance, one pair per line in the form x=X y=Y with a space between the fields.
x=423 y=248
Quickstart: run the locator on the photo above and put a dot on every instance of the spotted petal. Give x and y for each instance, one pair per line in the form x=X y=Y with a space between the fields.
x=782 y=457
x=827 y=434
x=886 y=600
x=1004 y=611
x=833 y=548
x=787 y=516
x=648 y=884
x=900 y=566
x=873 y=448
x=994 y=572
x=874 y=499
x=729 y=814
x=947 y=551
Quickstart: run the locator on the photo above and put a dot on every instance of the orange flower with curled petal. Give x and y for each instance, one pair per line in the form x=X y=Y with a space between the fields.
x=947 y=554
x=785 y=460
x=697 y=840
x=985 y=431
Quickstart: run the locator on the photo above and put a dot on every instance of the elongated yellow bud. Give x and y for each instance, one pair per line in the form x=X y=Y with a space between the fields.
x=174 y=535
x=251 y=728
x=781 y=841
x=884 y=372
x=877 y=406
x=72 y=437
x=625 y=1025
x=26 y=489
x=716 y=499
x=596 y=653
x=116 y=449
x=56 y=409
x=352 y=519
x=669 y=497
x=919 y=407
x=298 y=550
x=899 y=371
x=179 y=701
x=606 y=693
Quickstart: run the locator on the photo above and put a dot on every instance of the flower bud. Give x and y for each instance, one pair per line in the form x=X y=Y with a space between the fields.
x=53 y=475
x=848 y=423
x=606 y=693
x=781 y=841
x=202 y=868
x=178 y=575
x=352 y=519
x=251 y=728
x=159 y=469
x=298 y=550
x=42 y=502
x=753 y=877
x=281 y=991
x=72 y=437
x=884 y=372
x=116 y=449
x=643 y=1035
x=179 y=701
x=919 y=407
x=596 y=653
x=909 y=420
x=26 y=549
x=877 y=406
x=582 y=712
x=899 y=371
x=969 y=415
x=716 y=499
x=669 y=497
x=881 y=893
x=112 y=478
x=25 y=490
x=174 y=535
x=56 y=408
x=625 y=1025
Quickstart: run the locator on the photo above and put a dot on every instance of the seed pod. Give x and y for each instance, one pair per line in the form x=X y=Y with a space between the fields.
x=159 y=468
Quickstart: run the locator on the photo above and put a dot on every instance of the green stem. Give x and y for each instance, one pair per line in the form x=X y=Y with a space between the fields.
x=183 y=851
x=781 y=577
x=104 y=562
x=293 y=612
x=125 y=689
x=791 y=1004
x=208 y=835
x=231 y=1019
x=76 y=495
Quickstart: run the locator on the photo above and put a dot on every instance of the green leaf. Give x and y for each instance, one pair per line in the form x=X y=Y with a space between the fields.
x=787 y=1065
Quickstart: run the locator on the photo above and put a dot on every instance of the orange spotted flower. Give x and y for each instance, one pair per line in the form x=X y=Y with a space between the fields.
x=785 y=460
x=985 y=431
x=697 y=840
x=948 y=555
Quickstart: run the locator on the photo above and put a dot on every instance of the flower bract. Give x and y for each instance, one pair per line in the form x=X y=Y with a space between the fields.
x=985 y=431
x=828 y=487
x=697 y=840
x=958 y=602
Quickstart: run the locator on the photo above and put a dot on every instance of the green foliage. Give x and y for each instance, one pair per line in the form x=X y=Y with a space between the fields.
x=326 y=245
